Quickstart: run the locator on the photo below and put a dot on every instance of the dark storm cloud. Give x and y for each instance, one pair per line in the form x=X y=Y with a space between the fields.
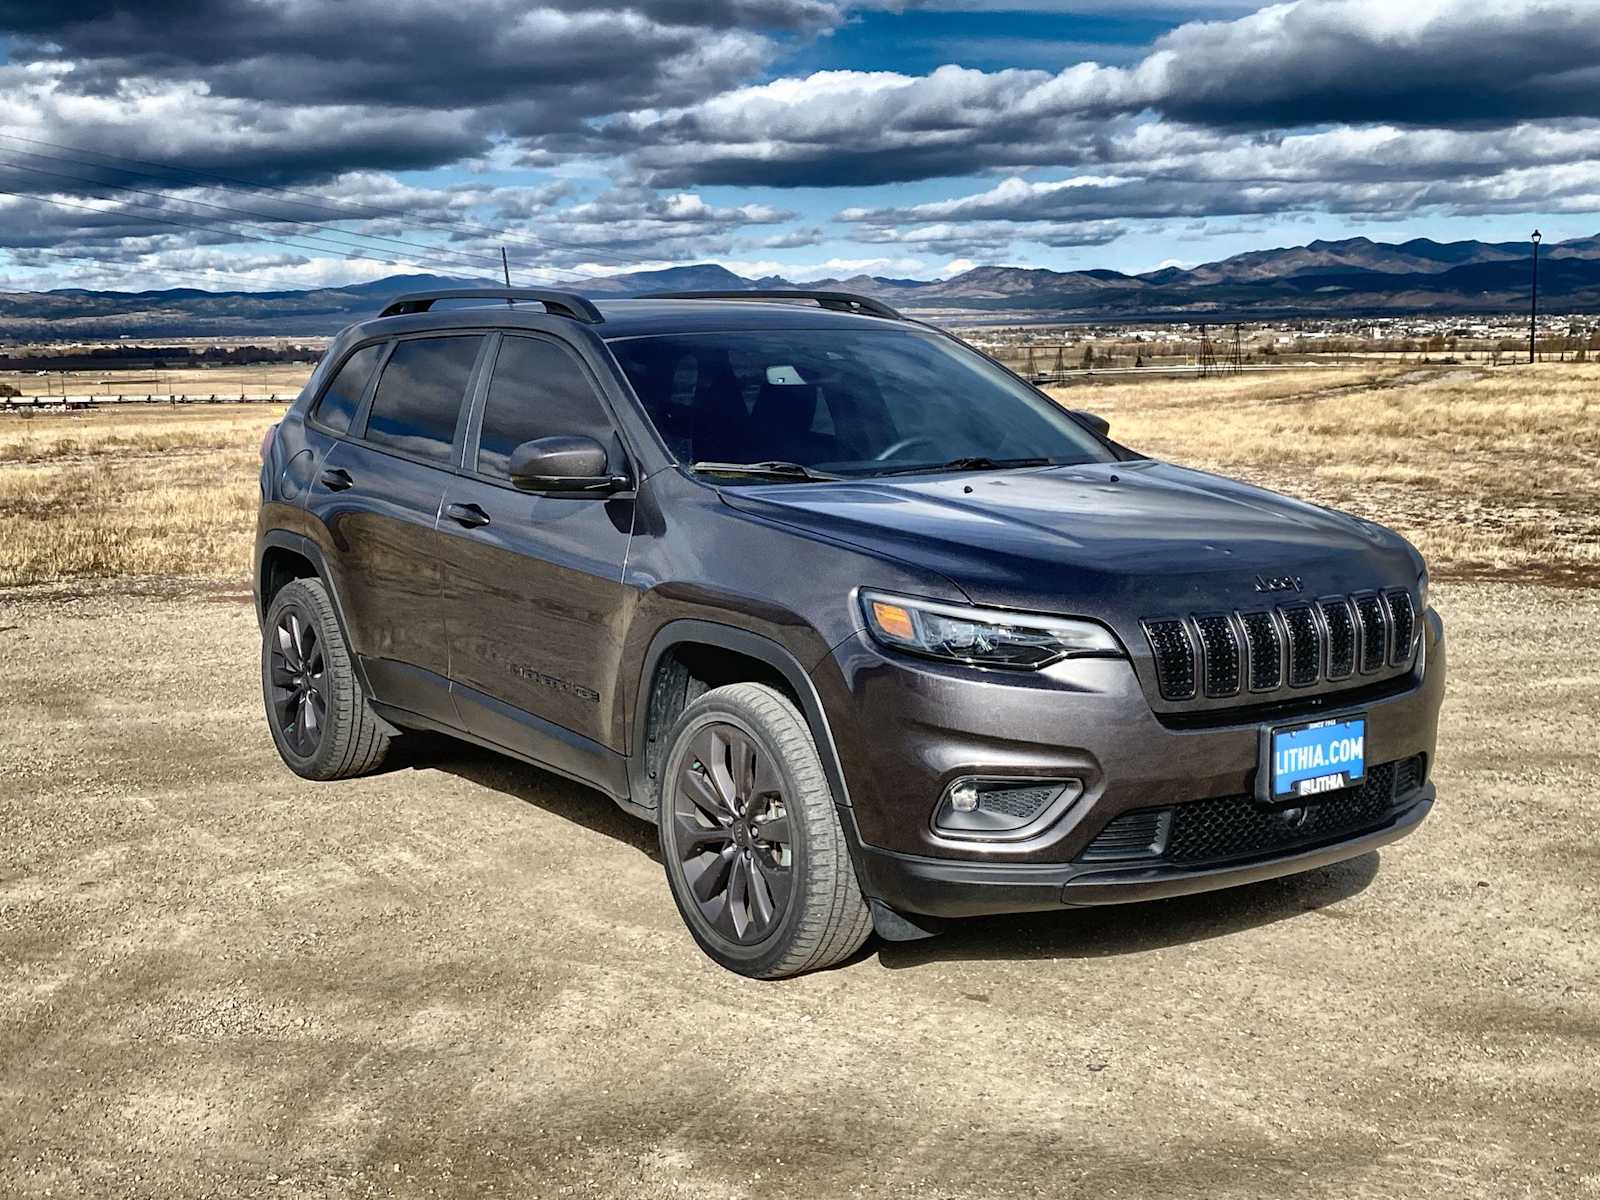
x=1424 y=63
x=1157 y=172
x=1364 y=108
x=580 y=59
x=1418 y=65
x=418 y=84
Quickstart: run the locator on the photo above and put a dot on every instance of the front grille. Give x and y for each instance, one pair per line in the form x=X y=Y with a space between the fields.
x=1231 y=828
x=1296 y=645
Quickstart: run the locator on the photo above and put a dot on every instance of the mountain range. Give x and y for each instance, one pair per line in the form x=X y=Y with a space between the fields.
x=1352 y=277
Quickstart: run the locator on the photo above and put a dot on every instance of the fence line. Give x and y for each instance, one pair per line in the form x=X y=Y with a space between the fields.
x=83 y=402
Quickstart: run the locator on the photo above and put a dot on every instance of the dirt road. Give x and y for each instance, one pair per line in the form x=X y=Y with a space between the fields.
x=465 y=978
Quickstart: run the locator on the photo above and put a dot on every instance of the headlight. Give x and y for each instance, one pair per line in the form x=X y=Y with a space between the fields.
x=983 y=637
x=1423 y=601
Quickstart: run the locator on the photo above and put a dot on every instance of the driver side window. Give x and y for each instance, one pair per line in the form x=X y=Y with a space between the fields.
x=538 y=389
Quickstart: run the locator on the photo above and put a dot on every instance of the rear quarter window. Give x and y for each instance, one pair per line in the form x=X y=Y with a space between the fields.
x=343 y=396
x=419 y=395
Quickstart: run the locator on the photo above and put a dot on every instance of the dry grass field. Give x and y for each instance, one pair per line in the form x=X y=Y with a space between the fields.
x=1490 y=472
x=159 y=491
x=463 y=977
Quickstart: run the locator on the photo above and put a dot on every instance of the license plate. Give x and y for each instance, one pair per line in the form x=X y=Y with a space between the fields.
x=1320 y=756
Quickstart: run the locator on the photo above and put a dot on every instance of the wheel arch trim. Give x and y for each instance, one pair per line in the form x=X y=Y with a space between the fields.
x=298 y=543
x=691 y=631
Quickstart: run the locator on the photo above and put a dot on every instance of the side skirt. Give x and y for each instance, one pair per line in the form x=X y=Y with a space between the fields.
x=417 y=699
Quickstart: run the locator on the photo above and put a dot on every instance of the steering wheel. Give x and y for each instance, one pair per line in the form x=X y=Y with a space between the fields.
x=902 y=444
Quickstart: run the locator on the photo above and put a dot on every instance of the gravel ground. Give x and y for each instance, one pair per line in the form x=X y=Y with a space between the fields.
x=466 y=978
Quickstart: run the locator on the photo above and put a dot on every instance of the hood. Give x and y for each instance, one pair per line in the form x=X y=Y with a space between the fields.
x=1095 y=539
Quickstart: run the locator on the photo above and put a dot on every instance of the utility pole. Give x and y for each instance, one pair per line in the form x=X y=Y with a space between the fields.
x=1208 y=357
x=1533 y=308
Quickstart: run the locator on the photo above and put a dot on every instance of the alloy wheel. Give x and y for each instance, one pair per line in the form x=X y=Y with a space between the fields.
x=732 y=833
x=298 y=689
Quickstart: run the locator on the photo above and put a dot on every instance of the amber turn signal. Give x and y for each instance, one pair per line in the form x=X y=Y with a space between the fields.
x=893 y=620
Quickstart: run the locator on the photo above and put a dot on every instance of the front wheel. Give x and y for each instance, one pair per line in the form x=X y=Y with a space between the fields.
x=754 y=854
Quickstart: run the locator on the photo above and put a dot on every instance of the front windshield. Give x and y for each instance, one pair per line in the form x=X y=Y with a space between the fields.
x=844 y=402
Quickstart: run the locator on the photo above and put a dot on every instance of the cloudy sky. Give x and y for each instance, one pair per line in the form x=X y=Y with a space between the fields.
x=255 y=143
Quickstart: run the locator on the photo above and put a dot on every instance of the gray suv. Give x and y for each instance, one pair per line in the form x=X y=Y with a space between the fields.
x=875 y=633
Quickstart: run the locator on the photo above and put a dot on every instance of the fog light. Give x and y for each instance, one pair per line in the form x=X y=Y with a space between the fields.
x=982 y=809
x=964 y=796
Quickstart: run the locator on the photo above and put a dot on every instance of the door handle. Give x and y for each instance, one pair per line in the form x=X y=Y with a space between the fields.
x=336 y=479
x=469 y=515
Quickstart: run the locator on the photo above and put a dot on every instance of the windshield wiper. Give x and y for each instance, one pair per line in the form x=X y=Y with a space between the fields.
x=771 y=469
x=973 y=462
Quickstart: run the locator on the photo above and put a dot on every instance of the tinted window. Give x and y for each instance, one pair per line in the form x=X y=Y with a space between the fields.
x=419 y=395
x=343 y=397
x=538 y=390
x=845 y=401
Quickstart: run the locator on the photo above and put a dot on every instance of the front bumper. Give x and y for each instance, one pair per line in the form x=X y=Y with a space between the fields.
x=911 y=727
x=948 y=888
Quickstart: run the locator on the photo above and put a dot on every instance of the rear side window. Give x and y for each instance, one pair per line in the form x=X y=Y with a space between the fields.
x=339 y=403
x=419 y=395
x=538 y=390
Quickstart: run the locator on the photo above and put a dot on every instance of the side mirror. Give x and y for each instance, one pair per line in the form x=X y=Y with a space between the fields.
x=1097 y=423
x=565 y=464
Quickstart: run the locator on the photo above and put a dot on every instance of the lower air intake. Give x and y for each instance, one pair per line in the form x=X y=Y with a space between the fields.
x=1233 y=828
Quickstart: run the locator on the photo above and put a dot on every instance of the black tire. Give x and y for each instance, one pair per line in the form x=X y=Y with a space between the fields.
x=316 y=707
x=754 y=853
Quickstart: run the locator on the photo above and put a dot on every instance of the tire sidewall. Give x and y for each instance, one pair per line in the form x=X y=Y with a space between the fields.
x=759 y=957
x=301 y=599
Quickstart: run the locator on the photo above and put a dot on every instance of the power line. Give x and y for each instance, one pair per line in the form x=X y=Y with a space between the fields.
x=350 y=208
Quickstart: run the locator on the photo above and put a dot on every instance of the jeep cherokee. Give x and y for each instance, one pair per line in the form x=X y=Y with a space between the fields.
x=873 y=631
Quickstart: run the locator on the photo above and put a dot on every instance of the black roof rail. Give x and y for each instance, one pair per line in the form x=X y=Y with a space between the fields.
x=562 y=304
x=846 y=302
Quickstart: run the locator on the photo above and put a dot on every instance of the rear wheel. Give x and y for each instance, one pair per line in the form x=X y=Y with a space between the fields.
x=754 y=854
x=316 y=708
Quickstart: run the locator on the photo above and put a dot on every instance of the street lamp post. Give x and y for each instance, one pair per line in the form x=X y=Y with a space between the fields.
x=1533 y=308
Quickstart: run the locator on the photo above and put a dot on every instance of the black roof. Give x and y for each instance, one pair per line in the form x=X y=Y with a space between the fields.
x=475 y=308
x=632 y=318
